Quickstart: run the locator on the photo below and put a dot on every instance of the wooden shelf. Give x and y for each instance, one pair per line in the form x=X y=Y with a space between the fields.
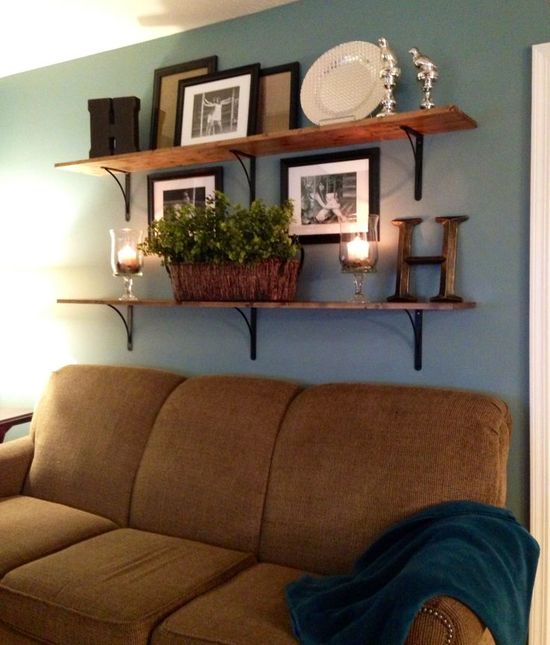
x=422 y=122
x=226 y=304
x=414 y=311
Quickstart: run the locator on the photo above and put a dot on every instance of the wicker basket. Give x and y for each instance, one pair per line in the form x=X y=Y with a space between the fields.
x=269 y=280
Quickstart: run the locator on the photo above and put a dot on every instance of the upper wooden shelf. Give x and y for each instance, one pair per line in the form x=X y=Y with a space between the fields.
x=425 y=122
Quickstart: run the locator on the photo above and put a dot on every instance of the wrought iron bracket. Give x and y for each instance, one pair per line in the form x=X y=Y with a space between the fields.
x=128 y=323
x=416 y=322
x=250 y=172
x=125 y=190
x=418 y=152
x=252 y=324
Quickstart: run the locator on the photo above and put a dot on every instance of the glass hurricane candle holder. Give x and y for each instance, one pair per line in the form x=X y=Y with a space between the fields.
x=126 y=257
x=359 y=251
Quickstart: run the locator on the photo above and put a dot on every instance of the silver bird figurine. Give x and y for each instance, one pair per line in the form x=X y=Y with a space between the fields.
x=428 y=73
x=387 y=55
x=424 y=63
x=389 y=73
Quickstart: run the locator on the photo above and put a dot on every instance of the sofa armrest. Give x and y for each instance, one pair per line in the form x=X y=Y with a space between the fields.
x=15 y=459
x=447 y=621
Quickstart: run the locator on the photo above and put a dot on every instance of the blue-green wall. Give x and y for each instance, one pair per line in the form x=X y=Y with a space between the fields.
x=55 y=224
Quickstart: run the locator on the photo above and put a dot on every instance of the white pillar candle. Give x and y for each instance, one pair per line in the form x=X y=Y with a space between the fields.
x=128 y=260
x=358 y=249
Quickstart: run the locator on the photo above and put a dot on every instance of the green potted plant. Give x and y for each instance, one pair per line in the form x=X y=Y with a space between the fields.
x=224 y=251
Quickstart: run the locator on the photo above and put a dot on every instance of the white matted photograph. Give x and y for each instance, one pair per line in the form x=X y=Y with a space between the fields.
x=328 y=189
x=218 y=106
x=169 y=191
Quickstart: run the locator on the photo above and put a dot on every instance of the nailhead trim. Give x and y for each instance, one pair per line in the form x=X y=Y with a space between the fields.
x=441 y=617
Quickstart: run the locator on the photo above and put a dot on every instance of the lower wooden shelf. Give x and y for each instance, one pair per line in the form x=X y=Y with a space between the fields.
x=414 y=311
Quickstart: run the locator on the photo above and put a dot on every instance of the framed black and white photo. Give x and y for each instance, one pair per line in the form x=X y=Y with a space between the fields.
x=219 y=106
x=328 y=188
x=278 y=98
x=170 y=190
x=165 y=97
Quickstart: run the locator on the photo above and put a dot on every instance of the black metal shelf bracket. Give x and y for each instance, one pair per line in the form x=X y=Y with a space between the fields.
x=128 y=323
x=418 y=153
x=250 y=172
x=252 y=324
x=416 y=322
x=125 y=190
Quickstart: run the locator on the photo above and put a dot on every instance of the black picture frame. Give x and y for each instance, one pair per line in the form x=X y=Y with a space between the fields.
x=303 y=179
x=165 y=96
x=198 y=183
x=278 y=98
x=197 y=114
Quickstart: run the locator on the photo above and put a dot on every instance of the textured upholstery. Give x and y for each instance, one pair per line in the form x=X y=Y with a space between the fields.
x=204 y=472
x=31 y=528
x=9 y=636
x=90 y=429
x=250 y=609
x=15 y=459
x=112 y=588
x=352 y=459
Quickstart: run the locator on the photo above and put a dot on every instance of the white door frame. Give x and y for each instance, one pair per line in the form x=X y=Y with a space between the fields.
x=539 y=333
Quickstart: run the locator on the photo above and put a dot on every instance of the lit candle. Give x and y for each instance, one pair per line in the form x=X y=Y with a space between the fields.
x=358 y=250
x=128 y=260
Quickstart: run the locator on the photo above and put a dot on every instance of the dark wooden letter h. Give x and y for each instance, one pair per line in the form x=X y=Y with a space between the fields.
x=447 y=259
x=114 y=125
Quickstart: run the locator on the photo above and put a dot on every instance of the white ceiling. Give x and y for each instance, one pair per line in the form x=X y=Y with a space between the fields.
x=37 y=33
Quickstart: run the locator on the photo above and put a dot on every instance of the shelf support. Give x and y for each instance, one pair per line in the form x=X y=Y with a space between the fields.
x=418 y=153
x=416 y=322
x=124 y=189
x=250 y=172
x=128 y=323
x=252 y=324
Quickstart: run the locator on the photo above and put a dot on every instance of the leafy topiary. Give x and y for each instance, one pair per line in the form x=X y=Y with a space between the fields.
x=222 y=232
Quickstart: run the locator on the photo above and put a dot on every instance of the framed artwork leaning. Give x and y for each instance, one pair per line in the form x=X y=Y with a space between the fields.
x=165 y=97
x=278 y=98
x=170 y=190
x=328 y=188
x=217 y=107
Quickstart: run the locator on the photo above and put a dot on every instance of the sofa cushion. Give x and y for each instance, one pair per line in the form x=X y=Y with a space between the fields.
x=10 y=637
x=112 y=588
x=90 y=428
x=248 y=610
x=31 y=528
x=204 y=472
x=352 y=459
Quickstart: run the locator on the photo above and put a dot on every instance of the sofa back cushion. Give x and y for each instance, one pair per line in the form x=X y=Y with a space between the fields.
x=204 y=472
x=351 y=459
x=90 y=428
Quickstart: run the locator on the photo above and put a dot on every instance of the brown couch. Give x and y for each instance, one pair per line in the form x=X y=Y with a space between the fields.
x=145 y=507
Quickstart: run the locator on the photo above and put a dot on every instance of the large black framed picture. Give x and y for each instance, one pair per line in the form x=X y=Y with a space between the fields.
x=165 y=97
x=328 y=188
x=217 y=107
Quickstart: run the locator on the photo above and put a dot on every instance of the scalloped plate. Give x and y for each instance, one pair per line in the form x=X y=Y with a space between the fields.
x=344 y=83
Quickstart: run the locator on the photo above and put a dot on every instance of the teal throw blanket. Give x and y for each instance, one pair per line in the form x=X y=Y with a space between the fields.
x=476 y=553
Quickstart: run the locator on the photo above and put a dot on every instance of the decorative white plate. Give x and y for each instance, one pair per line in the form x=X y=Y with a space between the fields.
x=343 y=84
